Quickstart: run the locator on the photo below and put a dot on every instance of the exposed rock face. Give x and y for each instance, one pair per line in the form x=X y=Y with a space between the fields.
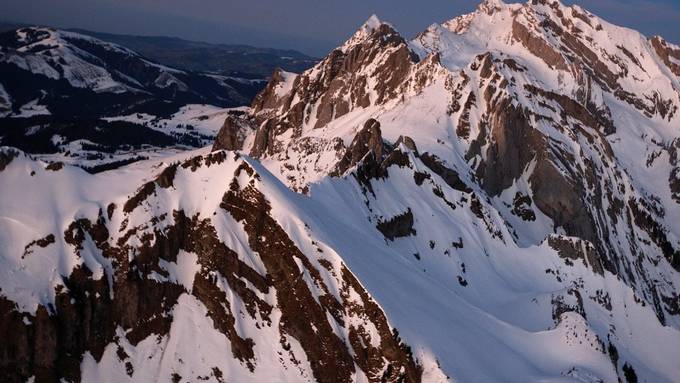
x=50 y=344
x=235 y=129
x=450 y=176
x=515 y=144
x=397 y=226
x=408 y=143
x=515 y=139
x=674 y=176
x=521 y=207
x=670 y=54
x=304 y=319
x=6 y=156
x=537 y=46
x=576 y=250
x=368 y=140
x=378 y=53
x=269 y=97
x=370 y=69
x=556 y=196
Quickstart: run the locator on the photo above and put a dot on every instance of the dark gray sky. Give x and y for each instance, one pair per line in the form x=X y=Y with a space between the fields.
x=311 y=26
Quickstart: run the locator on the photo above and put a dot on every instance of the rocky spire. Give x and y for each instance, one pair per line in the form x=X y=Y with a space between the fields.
x=490 y=6
x=367 y=29
x=372 y=23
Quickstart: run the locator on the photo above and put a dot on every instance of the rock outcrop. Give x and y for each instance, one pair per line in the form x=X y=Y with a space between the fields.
x=368 y=141
x=233 y=132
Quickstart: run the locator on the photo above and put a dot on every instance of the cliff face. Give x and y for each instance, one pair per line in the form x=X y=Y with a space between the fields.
x=500 y=191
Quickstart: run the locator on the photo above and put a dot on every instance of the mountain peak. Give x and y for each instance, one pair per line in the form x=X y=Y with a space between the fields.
x=373 y=22
x=489 y=6
x=367 y=29
x=491 y=3
x=371 y=25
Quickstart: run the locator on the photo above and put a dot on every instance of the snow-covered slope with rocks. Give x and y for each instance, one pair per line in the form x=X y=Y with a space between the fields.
x=492 y=201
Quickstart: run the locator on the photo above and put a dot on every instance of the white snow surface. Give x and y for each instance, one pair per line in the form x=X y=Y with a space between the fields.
x=203 y=119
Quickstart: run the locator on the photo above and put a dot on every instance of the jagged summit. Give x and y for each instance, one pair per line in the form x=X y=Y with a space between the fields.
x=372 y=23
x=372 y=26
x=490 y=6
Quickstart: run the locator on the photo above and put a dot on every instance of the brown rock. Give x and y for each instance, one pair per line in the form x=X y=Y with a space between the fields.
x=558 y=198
x=6 y=157
x=667 y=51
x=398 y=226
x=367 y=140
x=537 y=46
x=574 y=249
x=227 y=138
x=514 y=143
x=337 y=85
x=449 y=176
x=408 y=142
x=267 y=98
x=302 y=317
x=233 y=132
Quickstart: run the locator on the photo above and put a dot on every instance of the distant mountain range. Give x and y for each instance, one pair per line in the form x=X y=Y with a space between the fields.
x=68 y=74
x=232 y=60
x=228 y=59
x=71 y=85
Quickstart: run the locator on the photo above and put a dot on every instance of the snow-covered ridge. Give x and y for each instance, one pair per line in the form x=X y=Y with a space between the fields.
x=77 y=99
x=225 y=283
x=55 y=54
x=51 y=60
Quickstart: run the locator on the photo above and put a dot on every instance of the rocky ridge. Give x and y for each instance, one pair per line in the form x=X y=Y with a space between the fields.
x=542 y=108
x=531 y=114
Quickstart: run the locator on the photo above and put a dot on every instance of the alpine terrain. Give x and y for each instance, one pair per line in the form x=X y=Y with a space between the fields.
x=74 y=98
x=495 y=200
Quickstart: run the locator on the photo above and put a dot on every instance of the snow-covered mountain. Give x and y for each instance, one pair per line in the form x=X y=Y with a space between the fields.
x=492 y=201
x=242 y=61
x=74 y=98
x=67 y=73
